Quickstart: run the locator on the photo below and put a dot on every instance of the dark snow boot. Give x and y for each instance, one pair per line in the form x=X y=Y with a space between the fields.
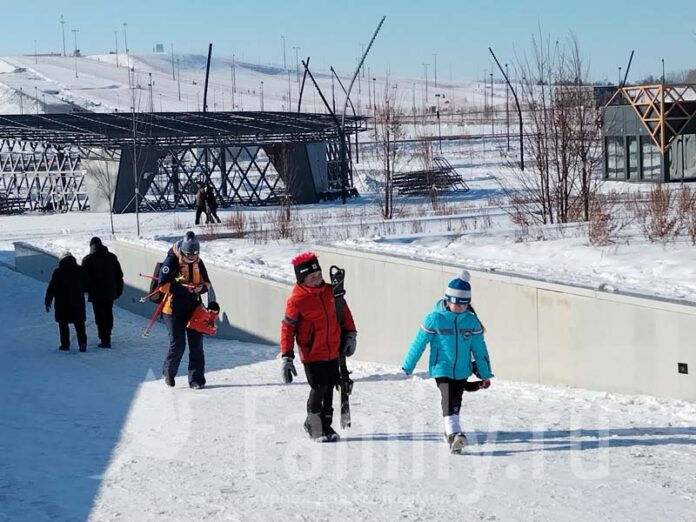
x=196 y=385
x=104 y=344
x=168 y=380
x=64 y=348
x=314 y=428
x=457 y=442
x=329 y=433
x=83 y=347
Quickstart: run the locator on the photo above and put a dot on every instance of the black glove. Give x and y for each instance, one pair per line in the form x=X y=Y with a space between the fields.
x=288 y=369
x=350 y=340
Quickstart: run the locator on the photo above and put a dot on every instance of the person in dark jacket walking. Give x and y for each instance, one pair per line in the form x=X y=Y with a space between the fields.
x=310 y=318
x=68 y=286
x=183 y=278
x=104 y=286
x=200 y=202
x=211 y=205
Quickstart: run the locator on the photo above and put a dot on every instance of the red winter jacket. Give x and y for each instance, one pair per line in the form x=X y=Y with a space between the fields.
x=310 y=317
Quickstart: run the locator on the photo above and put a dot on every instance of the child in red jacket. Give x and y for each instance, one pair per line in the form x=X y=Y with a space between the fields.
x=310 y=318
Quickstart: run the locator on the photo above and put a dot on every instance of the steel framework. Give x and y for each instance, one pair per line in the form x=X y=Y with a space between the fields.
x=40 y=155
x=664 y=110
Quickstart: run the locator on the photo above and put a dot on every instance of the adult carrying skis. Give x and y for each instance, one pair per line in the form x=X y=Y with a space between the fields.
x=455 y=334
x=183 y=278
x=310 y=318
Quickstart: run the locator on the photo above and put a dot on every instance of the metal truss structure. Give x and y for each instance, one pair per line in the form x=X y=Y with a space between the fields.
x=664 y=110
x=41 y=167
x=35 y=176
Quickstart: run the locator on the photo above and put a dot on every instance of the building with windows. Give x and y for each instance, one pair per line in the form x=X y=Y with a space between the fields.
x=649 y=134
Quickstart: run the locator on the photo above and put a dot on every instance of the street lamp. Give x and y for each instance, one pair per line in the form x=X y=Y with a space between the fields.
x=663 y=70
x=374 y=105
x=439 y=131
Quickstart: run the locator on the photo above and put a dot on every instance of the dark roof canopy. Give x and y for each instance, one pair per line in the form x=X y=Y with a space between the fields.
x=171 y=128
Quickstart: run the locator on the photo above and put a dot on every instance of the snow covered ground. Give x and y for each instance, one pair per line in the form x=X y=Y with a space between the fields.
x=98 y=436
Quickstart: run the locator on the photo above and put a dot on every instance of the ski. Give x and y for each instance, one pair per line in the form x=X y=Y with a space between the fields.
x=345 y=387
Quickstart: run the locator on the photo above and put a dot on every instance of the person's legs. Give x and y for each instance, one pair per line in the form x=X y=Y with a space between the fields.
x=196 y=368
x=81 y=335
x=177 y=344
x=104 y=317
x=64 y=331
x=199 y=211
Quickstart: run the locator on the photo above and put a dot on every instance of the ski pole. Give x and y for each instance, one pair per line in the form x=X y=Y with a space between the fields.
x=153 y=318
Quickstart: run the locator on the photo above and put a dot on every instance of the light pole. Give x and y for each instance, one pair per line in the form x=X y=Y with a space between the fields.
x=178 y=77
x=374 y=102
x=507 y=108
x=435 y=57
x=663 y=71
x=285 y=63
x=619 y=76
x=232 y=82
x=492 y=108
x=261 y=95
x=439 y=131
x=75 y=31
x=125 y=36
x=62 y=27
x=297 y=64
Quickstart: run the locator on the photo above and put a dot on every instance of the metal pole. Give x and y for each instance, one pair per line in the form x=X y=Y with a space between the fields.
x=178 y=77
x=149 y=85
x=507 y=109
x=232 y=81
x=285 y=63
x=125 y=37
x=173 y=77
x=492 y=108
x=75 y=31
x=207 y=75
x=333 y=90
x=439 y=131
x=297 y=64
x=62 y=27
x=517 y=103
x=289 y=92
x=345 y=107
x=663 y=70
x=435 y=56
x=234 y=74
x=261 y=95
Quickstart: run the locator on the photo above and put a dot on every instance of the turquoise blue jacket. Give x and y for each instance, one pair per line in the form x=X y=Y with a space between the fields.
x=454 y=339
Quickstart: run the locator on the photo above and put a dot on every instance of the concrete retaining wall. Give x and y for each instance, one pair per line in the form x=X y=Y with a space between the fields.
x=536 y=332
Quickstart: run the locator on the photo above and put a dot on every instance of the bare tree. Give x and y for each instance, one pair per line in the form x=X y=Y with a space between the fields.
x=390 y=130
x=562 y=134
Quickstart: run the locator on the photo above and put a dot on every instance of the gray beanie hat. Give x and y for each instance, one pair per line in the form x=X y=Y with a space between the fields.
x=190 y=245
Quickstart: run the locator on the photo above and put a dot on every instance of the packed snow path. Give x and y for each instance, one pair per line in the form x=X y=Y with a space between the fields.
x=99 y=436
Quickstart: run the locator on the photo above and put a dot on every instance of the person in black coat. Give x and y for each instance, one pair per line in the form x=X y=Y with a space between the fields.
x=68 y=286
x=211 y=205
x=104 y=286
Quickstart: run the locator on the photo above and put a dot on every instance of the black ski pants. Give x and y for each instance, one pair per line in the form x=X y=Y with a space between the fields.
x=322 y=376
x=178 y=334
x=451 y=391
x=64 y=329
x=104 y=317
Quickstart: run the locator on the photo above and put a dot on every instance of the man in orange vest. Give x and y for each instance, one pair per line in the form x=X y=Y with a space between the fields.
x=183 y=278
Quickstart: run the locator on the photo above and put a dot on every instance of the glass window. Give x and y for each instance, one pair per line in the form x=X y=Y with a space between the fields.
x=632 y=146
x=651 y=159
x=615 y=157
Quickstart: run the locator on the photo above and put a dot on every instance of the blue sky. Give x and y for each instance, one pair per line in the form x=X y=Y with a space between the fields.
x=332 y=32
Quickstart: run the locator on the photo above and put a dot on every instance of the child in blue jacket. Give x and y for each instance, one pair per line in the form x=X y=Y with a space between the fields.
x=455 y=335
